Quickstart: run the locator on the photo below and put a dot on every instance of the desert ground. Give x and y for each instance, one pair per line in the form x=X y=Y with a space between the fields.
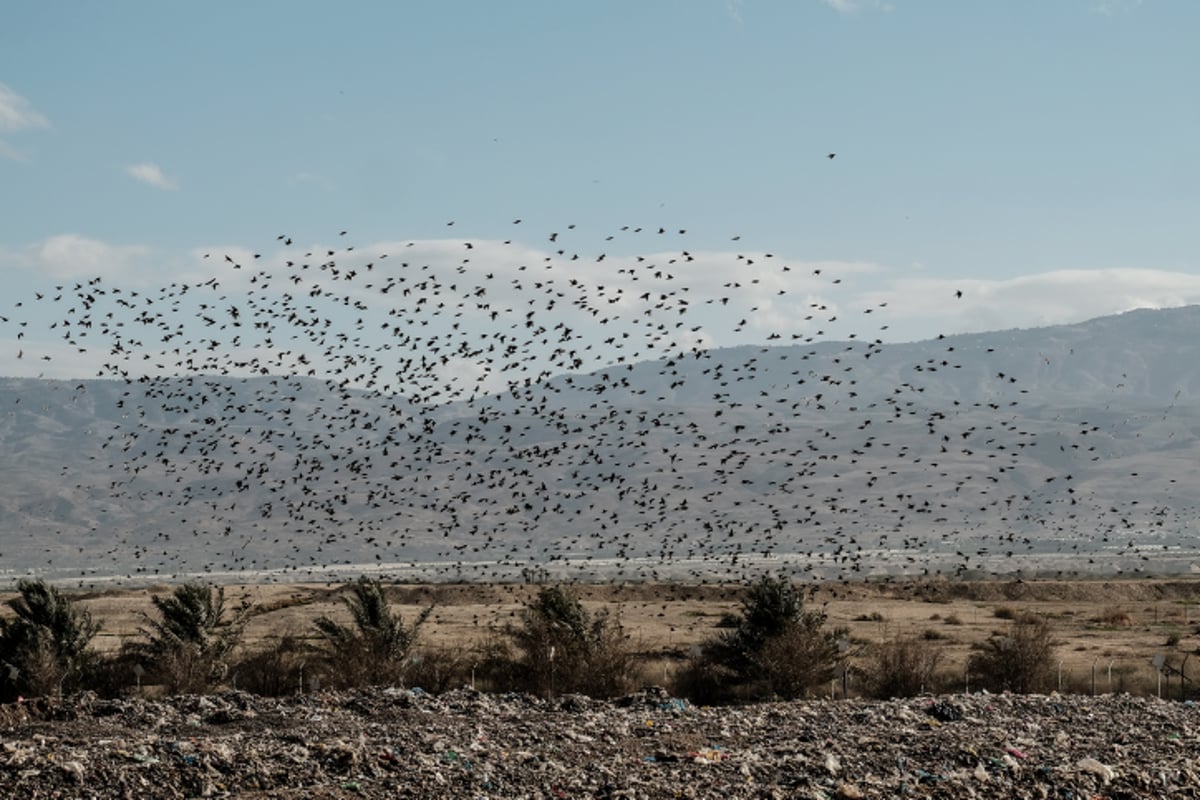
x=1113 y=628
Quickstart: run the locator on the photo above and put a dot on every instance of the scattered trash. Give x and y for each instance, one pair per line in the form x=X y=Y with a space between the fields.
x=849 y=791
x=945 y=711
x=1105 y=772
x=391 y=742
x=708 y=755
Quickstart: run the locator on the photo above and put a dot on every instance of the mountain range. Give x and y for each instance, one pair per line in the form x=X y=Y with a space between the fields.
x=1059 y=449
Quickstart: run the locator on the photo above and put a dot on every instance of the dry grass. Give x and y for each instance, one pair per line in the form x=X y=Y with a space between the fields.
x=1096 y=624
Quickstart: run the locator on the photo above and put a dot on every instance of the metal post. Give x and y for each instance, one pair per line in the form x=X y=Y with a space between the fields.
x=1110 y=666
x=843 y=646
x=1060 y=663
x=1094 y=675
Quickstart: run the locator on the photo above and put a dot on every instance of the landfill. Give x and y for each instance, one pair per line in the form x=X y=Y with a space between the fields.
x=406 y=743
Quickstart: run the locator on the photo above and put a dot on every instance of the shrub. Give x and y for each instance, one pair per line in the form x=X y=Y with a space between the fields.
x=799 y=657
x=1017 y=660
x=1005 y=612
x=187 y=648
x=902 y=667
x=116 y=674
x=46 y=648
x=1115 y=618
x=776 y=648
x=703 y=680
x=438 y=670
x=275 y=670
x=374 y=649
x=953 y=619
x=566 y=649
x=494 y=667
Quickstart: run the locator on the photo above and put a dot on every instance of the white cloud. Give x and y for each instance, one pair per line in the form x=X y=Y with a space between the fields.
x=620 y=308
x=734 y=9
x=923 y=307
x=855 y=6
x=152 y=175
x=70 y=255
x=16 y=114
x=719 y=298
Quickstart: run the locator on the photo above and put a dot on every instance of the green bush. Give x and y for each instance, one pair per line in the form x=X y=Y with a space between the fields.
x=902 y=667
x=493 y=666
x=374 y=649
x=704 y=681
x=45 y=649
x=437 y=669
x=188 y=647
x=1017 y=660
x=801 y=656
x=275 y=670
x=115 y=674
x=565 y=649
x=775 y=648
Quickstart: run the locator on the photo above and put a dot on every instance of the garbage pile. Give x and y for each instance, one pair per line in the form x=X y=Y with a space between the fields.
x=395 y=743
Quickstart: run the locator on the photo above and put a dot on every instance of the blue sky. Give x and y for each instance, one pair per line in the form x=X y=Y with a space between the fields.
x=1042 y=156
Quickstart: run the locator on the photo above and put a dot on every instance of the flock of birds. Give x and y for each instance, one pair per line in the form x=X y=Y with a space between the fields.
x=486 y=409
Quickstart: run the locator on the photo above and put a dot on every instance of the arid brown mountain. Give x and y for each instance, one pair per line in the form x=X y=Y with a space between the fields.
x=1063 y=448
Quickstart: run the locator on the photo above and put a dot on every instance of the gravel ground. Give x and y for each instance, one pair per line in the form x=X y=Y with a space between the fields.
x=406 y=743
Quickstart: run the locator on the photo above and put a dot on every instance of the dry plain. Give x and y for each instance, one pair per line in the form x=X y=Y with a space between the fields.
x=1114 y=627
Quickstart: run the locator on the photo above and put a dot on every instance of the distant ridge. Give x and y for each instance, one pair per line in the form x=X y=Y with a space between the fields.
x=891 y=466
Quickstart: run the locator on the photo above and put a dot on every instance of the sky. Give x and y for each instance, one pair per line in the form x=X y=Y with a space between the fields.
x=1042 y=157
